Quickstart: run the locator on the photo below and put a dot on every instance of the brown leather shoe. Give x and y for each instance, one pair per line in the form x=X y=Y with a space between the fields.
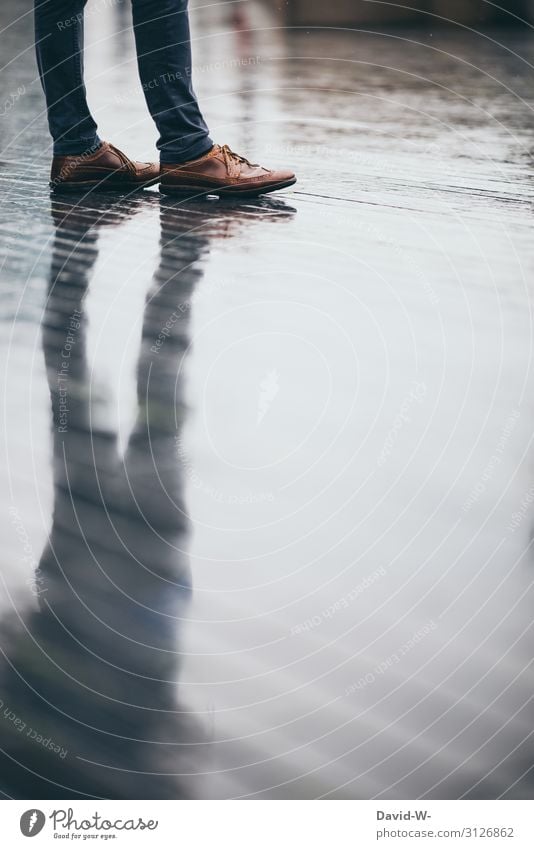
x=221 y=171
x=106 y=168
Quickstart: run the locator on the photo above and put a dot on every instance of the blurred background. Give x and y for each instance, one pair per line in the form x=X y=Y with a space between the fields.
x=431 y=12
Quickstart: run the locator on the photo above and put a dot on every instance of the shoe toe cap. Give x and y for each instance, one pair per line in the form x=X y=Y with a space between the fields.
x=147 y=169
x=283 y=175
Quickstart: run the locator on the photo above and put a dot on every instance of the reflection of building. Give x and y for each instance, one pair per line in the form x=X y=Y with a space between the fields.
x=354 y=12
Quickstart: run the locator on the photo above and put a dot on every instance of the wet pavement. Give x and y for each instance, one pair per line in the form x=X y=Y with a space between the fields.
x=314 y=409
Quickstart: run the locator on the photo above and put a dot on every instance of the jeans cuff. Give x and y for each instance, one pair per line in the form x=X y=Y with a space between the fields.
x=76 y=148
x=168 y=156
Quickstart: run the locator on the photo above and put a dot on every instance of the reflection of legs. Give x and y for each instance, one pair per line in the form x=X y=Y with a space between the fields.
x=79 y=451
x=163 y=44
x=151 y=461
x=94 y=670
x=114 y=545
x=59 y=46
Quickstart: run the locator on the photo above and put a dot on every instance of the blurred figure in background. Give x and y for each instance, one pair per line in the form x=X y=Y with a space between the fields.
x=189 y=161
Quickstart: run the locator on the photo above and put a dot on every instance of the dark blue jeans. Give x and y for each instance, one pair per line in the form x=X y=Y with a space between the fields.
x=163 y=44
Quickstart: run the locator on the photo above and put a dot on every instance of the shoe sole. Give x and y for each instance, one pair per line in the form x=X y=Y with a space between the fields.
x=227 y=191
x=105 y=185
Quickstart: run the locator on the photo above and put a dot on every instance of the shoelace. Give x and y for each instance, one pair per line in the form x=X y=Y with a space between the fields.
x=229 y=155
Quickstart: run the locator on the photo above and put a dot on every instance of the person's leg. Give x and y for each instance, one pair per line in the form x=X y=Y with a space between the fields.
x=59 y=47
x=164 y=56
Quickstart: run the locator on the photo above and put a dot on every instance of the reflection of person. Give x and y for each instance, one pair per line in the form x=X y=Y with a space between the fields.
x=189 y=161
x=89 y=680
x=95 y=672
